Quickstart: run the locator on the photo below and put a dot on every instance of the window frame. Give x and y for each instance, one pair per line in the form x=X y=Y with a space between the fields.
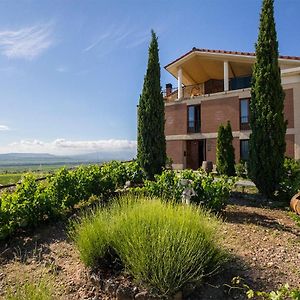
x=244 y=125
x=197 y=119
x=243 y=158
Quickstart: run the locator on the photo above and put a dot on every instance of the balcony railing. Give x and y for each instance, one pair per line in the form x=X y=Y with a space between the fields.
x=211 y=86
x=244 y=123
x=244 y=119
x=194 y=126
x=188 y=91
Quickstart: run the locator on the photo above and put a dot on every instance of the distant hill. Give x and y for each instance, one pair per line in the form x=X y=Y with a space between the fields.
x=22 y=159
x=25 y=155
x=26 y=159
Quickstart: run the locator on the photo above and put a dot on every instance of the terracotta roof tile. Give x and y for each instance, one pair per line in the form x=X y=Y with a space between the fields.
x=228 y=52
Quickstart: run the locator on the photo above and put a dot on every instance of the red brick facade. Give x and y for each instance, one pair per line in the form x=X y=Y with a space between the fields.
x=289 y=107
x=213 y=113
x=175 y=150
x=176 y=119
x=290 y=145
x=216 y=112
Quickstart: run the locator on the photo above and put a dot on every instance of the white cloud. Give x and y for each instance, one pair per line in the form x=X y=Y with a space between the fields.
x=4 y=128
x=139 y=40
x=27 y=42
x=115 y=36
x=67 y=147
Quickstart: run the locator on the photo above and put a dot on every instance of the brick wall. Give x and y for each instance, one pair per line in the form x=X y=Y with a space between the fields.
x=290 y=145
x=211 y=149
x=175 y=150
x=219 y=111
x=176 y=119
x=211 y=146
x=289 y=107
x=237 y=149
x=213 y=113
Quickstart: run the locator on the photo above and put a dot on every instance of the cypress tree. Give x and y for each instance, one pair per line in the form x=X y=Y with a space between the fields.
x=151 y=145
x=230 y=151
x=267 y=140
x=225 y=151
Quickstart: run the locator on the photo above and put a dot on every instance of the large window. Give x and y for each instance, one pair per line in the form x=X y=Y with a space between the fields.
x=242 y=82
x=244 y=145
x=244 y=113
x=194 y=118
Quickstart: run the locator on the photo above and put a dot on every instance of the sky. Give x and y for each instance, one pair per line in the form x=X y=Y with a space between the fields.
x=71 y=71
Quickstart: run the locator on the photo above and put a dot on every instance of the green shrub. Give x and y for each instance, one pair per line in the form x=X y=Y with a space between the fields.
x=290 y=183
x=163 y=245
x=62 y=188
x=282 y=293
x=225 y=151
x=33 y=202
x=68 y=187
x=25 y=207
x=211 y=192
x=134 y=172
x=241 y=169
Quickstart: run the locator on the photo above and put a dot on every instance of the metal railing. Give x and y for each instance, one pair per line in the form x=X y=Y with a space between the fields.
x=193 y=126
x=189 y=91
x=206 y=88
x=244 y=119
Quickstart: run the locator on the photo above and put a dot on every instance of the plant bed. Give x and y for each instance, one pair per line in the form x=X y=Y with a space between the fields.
x=263 y=243
x=163 y=246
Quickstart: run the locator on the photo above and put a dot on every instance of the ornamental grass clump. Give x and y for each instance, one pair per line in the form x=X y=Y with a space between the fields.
x=162 y=245
x=41 y=290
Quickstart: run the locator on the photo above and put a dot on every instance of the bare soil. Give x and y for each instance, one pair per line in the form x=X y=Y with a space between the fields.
x=264 y=244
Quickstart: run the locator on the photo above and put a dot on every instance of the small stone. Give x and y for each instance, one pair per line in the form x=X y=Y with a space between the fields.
x=270 y=264
x=94 y=278
x=124 y=293
x=110 y=287
x=127 y=184
x=141 y=296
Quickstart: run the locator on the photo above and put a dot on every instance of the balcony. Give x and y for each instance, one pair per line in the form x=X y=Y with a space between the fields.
x=211 y=86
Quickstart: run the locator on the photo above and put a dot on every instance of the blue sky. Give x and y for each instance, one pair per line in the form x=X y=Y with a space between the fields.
x=71 y=71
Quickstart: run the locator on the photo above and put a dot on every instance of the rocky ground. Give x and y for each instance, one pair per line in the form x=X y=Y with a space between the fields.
x=264 y=244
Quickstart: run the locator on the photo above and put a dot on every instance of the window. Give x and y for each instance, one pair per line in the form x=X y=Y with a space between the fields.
x=242 y=82
x=244 y=145
x=244 y=113
x=194 y=118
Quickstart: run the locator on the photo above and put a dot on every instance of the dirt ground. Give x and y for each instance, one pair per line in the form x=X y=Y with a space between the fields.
x=264 y=244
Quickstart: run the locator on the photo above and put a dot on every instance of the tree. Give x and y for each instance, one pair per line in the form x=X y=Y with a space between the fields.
x=267 y=140
x=225 y=151
x=151 y=153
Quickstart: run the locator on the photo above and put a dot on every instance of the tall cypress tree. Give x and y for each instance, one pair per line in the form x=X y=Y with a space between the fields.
x=151 y=153
x=225 y=151
x=267 y=140
x=230 y=150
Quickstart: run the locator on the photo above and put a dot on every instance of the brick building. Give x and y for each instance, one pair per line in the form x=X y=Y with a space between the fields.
x=213 y=87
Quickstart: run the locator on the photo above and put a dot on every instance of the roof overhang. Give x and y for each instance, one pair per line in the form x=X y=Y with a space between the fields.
x=290 y=71
x=200 y=65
